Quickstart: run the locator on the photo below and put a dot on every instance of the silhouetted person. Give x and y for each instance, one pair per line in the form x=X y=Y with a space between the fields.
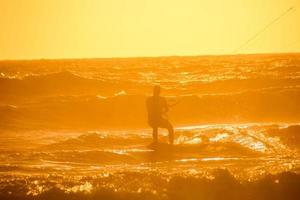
x=157 y=106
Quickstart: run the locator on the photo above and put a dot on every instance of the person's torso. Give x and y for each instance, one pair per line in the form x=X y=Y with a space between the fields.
x=155 y=107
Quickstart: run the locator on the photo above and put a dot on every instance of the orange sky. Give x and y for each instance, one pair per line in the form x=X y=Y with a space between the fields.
x=123 y=28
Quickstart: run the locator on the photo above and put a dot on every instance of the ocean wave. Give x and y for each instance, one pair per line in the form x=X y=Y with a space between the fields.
x=97 y=141
x=289 y=135
x=227 y=141
x=129 y=111
x=61 y=83
x=67 y=83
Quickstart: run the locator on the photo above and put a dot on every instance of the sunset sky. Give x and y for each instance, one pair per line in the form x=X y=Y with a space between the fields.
x=34 y=29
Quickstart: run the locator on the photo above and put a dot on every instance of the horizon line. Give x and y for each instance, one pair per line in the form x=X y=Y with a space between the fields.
x=145 y=57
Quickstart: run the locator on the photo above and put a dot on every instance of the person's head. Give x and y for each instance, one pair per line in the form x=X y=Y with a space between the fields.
x=156 y=90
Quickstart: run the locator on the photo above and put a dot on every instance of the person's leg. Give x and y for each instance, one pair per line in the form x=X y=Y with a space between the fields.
x=166 y=124
x=171 y=133
x=154 y=134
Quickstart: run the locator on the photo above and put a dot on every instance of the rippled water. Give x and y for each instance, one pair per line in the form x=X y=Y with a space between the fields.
x=83 y=161
x=78 y=127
